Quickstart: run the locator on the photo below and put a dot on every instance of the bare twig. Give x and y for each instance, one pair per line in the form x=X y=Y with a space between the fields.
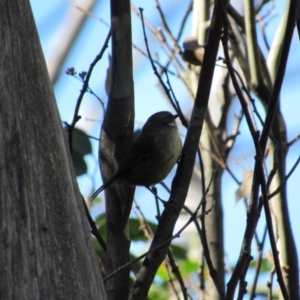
x=93 y=226
x=84 y=89
x=184 y=19
x=143 y=222
x=177 y=235
x=263 y=31
x=171 y=282
x=292 y=141
x=81 y=77
x=286 y=179
x=258 y=264
x=87 y=12
x=167 y=91
x=158 y=34
x=243 y=282
x=177 y=274
x=155 y=61
x=270 y=284
x=165 y=24
x=260 y=146
x=171 y=261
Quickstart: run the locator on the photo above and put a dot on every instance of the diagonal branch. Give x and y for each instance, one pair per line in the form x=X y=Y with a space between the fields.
x=185 y=168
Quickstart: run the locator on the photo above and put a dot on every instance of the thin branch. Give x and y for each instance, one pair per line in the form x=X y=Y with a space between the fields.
x=285 y=179
x=171 y=282
x=212 y=271
x=185 y=208
x=158 y=34
x=155 y=61
x=72 y=72
x=271 y=112
x=177 y=274
x=87 y=12
x=94 y=229
x=292 y=141
x=274 y=98
x=165 y=24
x=234 y=133
x=270 y=284
x=177 y=235
x=167 y=91
x=76 y=117
x=258 y=264
x=171 y=261
x=258 y=179
x=184 y=20
x=243 y=282
x=263 y=31
x=144 y=225
x=184 y=172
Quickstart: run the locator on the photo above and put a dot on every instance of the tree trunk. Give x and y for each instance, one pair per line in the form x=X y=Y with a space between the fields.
x=115 y=141
x=45 y=245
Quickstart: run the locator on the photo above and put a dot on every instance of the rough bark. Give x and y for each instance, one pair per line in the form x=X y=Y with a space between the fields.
x=116 y=138
x=45 y=245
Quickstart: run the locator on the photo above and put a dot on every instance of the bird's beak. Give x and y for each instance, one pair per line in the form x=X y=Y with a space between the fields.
x=175 y=116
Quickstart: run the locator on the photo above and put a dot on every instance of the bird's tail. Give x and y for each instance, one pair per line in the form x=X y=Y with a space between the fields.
x=102 y=188
x=97 y=193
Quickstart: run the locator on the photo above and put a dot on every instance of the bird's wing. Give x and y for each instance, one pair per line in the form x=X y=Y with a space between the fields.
x=102 y=188
x=142 y=149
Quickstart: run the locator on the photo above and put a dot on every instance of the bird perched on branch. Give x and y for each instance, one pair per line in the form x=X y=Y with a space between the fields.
x=152 y=155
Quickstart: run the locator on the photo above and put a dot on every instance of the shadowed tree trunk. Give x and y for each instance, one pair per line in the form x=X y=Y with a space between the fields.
x=45 y=245
x=116 y=139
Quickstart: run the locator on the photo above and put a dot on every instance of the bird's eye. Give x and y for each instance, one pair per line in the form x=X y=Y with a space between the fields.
x=169 y=118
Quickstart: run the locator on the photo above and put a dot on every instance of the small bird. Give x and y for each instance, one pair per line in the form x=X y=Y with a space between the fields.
x=152 y=155
x=193 y=52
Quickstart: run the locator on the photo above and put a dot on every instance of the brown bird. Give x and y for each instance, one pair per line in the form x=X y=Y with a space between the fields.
x=152 y=155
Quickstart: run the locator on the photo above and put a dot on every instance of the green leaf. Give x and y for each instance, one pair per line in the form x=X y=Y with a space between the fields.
x=81 y=147
x=136 y=232
x=158 y=293
x=178 y=251
x=161 y=274
x=265 y=265
x=81 y=142
x=79 y=163
x=189 y=267
x=101 y=225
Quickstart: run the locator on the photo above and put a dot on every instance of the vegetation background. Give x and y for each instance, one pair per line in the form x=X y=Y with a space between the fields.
x=72 y=34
